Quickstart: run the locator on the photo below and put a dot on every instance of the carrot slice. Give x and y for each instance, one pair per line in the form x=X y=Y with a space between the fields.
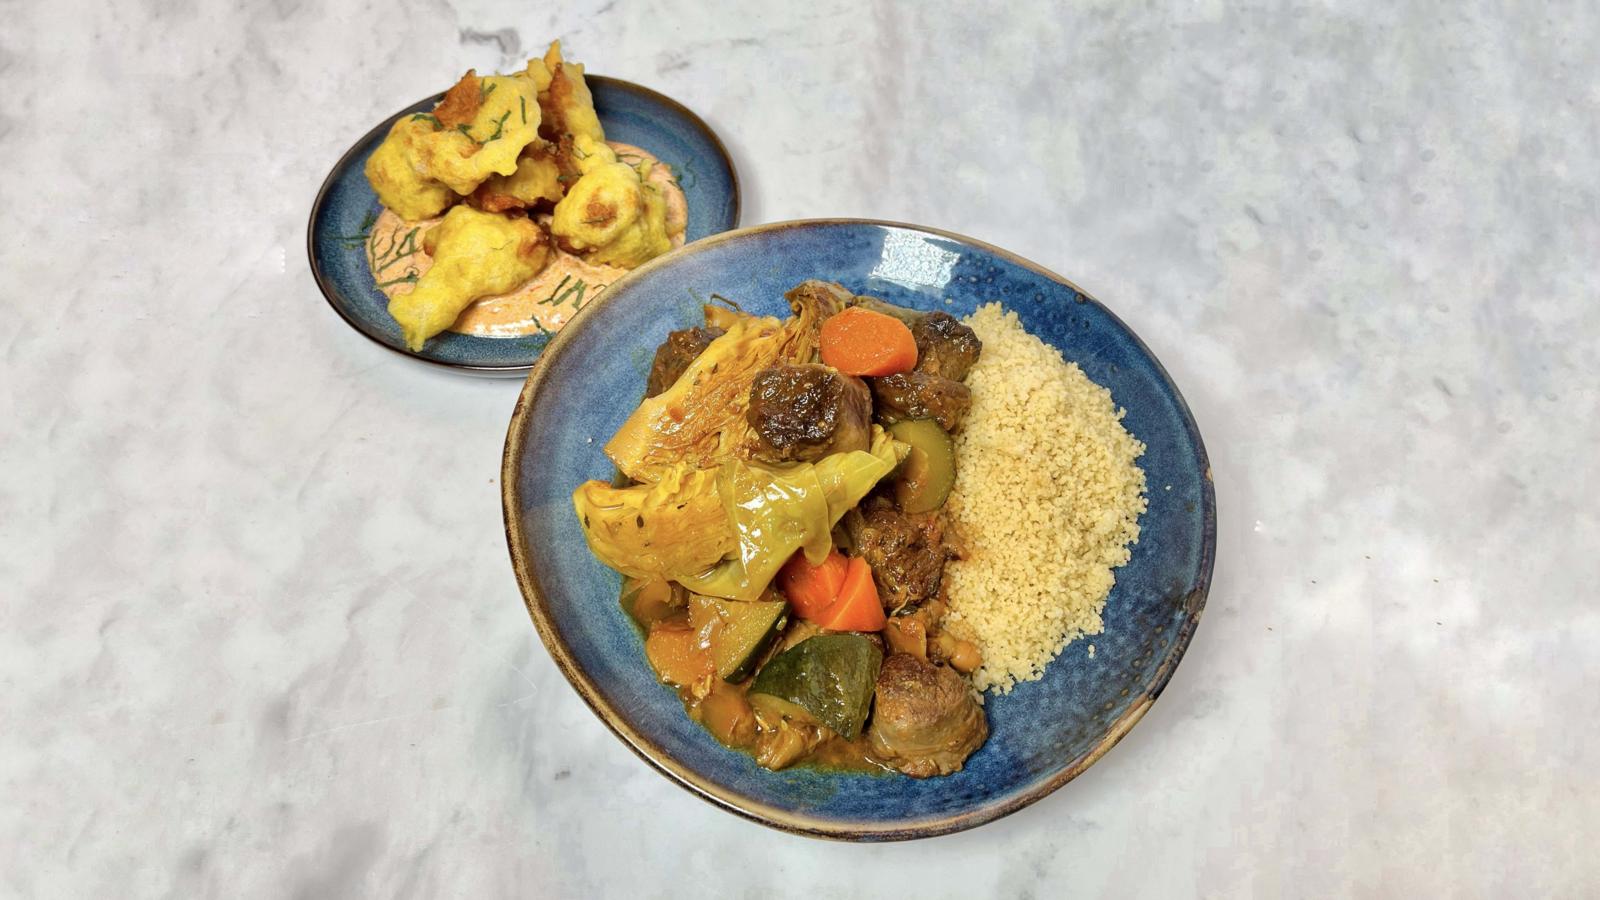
x=812 y=589
x=859 y=341
x=857 y=608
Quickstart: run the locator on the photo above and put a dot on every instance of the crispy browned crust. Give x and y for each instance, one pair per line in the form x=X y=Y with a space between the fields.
x=461 y=102
x=552 y=104
x=490 y=201
x=597 y=212
x=566 y=159
x=535 y=245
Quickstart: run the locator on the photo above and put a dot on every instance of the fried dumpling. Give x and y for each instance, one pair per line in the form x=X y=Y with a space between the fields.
x=537 y=179
x=464 y=154
x=398 y=177
x=612 y=214
x=475 y=254
x=566 y=103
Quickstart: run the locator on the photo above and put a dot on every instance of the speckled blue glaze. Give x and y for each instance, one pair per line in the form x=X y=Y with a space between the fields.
x=1044 y=732
x=630 y=113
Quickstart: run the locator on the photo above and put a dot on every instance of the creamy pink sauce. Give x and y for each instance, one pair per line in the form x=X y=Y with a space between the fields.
x=544 y=303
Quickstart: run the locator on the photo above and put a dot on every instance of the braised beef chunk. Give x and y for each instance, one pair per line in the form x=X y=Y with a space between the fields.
x=945 y=346
x=925 y=721
x=803 y=413
x=919 y=395
x=675 y=354
x=907 y=552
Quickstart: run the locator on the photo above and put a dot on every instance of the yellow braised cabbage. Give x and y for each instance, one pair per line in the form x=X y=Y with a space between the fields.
x=725 y=532
x=700 y=419
x=677 y=524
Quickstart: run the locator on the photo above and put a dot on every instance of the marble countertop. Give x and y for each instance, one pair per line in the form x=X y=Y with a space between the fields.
x=250 y=649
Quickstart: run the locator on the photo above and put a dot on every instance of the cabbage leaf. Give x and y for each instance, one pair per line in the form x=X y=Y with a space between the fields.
x=725 y=531
x=700 y=420
x=677 y=524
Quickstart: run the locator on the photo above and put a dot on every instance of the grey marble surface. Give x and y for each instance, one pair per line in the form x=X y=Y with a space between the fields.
x=260 y=635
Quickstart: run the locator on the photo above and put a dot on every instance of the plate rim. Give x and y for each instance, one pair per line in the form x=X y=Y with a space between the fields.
x=791 y=821
x=501 y=371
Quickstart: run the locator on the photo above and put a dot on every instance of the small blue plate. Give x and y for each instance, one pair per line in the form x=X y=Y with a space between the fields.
x=630 y=113
x=1044 y=732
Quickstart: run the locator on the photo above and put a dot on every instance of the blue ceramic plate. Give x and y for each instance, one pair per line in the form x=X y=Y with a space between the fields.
x=1043 y=733
x=630 y=113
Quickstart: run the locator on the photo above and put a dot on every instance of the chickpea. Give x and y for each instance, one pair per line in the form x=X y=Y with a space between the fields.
x=905 y=634
x=965 y=657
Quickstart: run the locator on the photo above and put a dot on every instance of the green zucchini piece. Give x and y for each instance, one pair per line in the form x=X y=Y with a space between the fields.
x=923 y=481
x=739 y=631
x=830 y=676
x=649 y=600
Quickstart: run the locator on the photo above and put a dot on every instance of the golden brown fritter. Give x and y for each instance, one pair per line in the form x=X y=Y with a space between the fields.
x=398 y=179
x=480 y=133
x=567 y=107
x=475 y=254
x=537 y=181
x=611 y=214
x=507 y=120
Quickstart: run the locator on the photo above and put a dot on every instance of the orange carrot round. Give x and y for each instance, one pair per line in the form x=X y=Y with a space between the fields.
x=857 y=608
x=812 y=589
x=859 y=341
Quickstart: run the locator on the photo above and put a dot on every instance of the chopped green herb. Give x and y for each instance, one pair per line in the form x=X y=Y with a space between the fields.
x=578 y=289
x=559 y=296
x=427 y=117
x=682 y=174
x=485 y=88
x=552 y=298
x=409 y=278
x=465 y=129
x=499 y=126
x=352 y=241
x=397 y=249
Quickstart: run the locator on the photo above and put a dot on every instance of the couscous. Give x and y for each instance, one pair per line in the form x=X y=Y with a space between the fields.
x=1046 y=502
